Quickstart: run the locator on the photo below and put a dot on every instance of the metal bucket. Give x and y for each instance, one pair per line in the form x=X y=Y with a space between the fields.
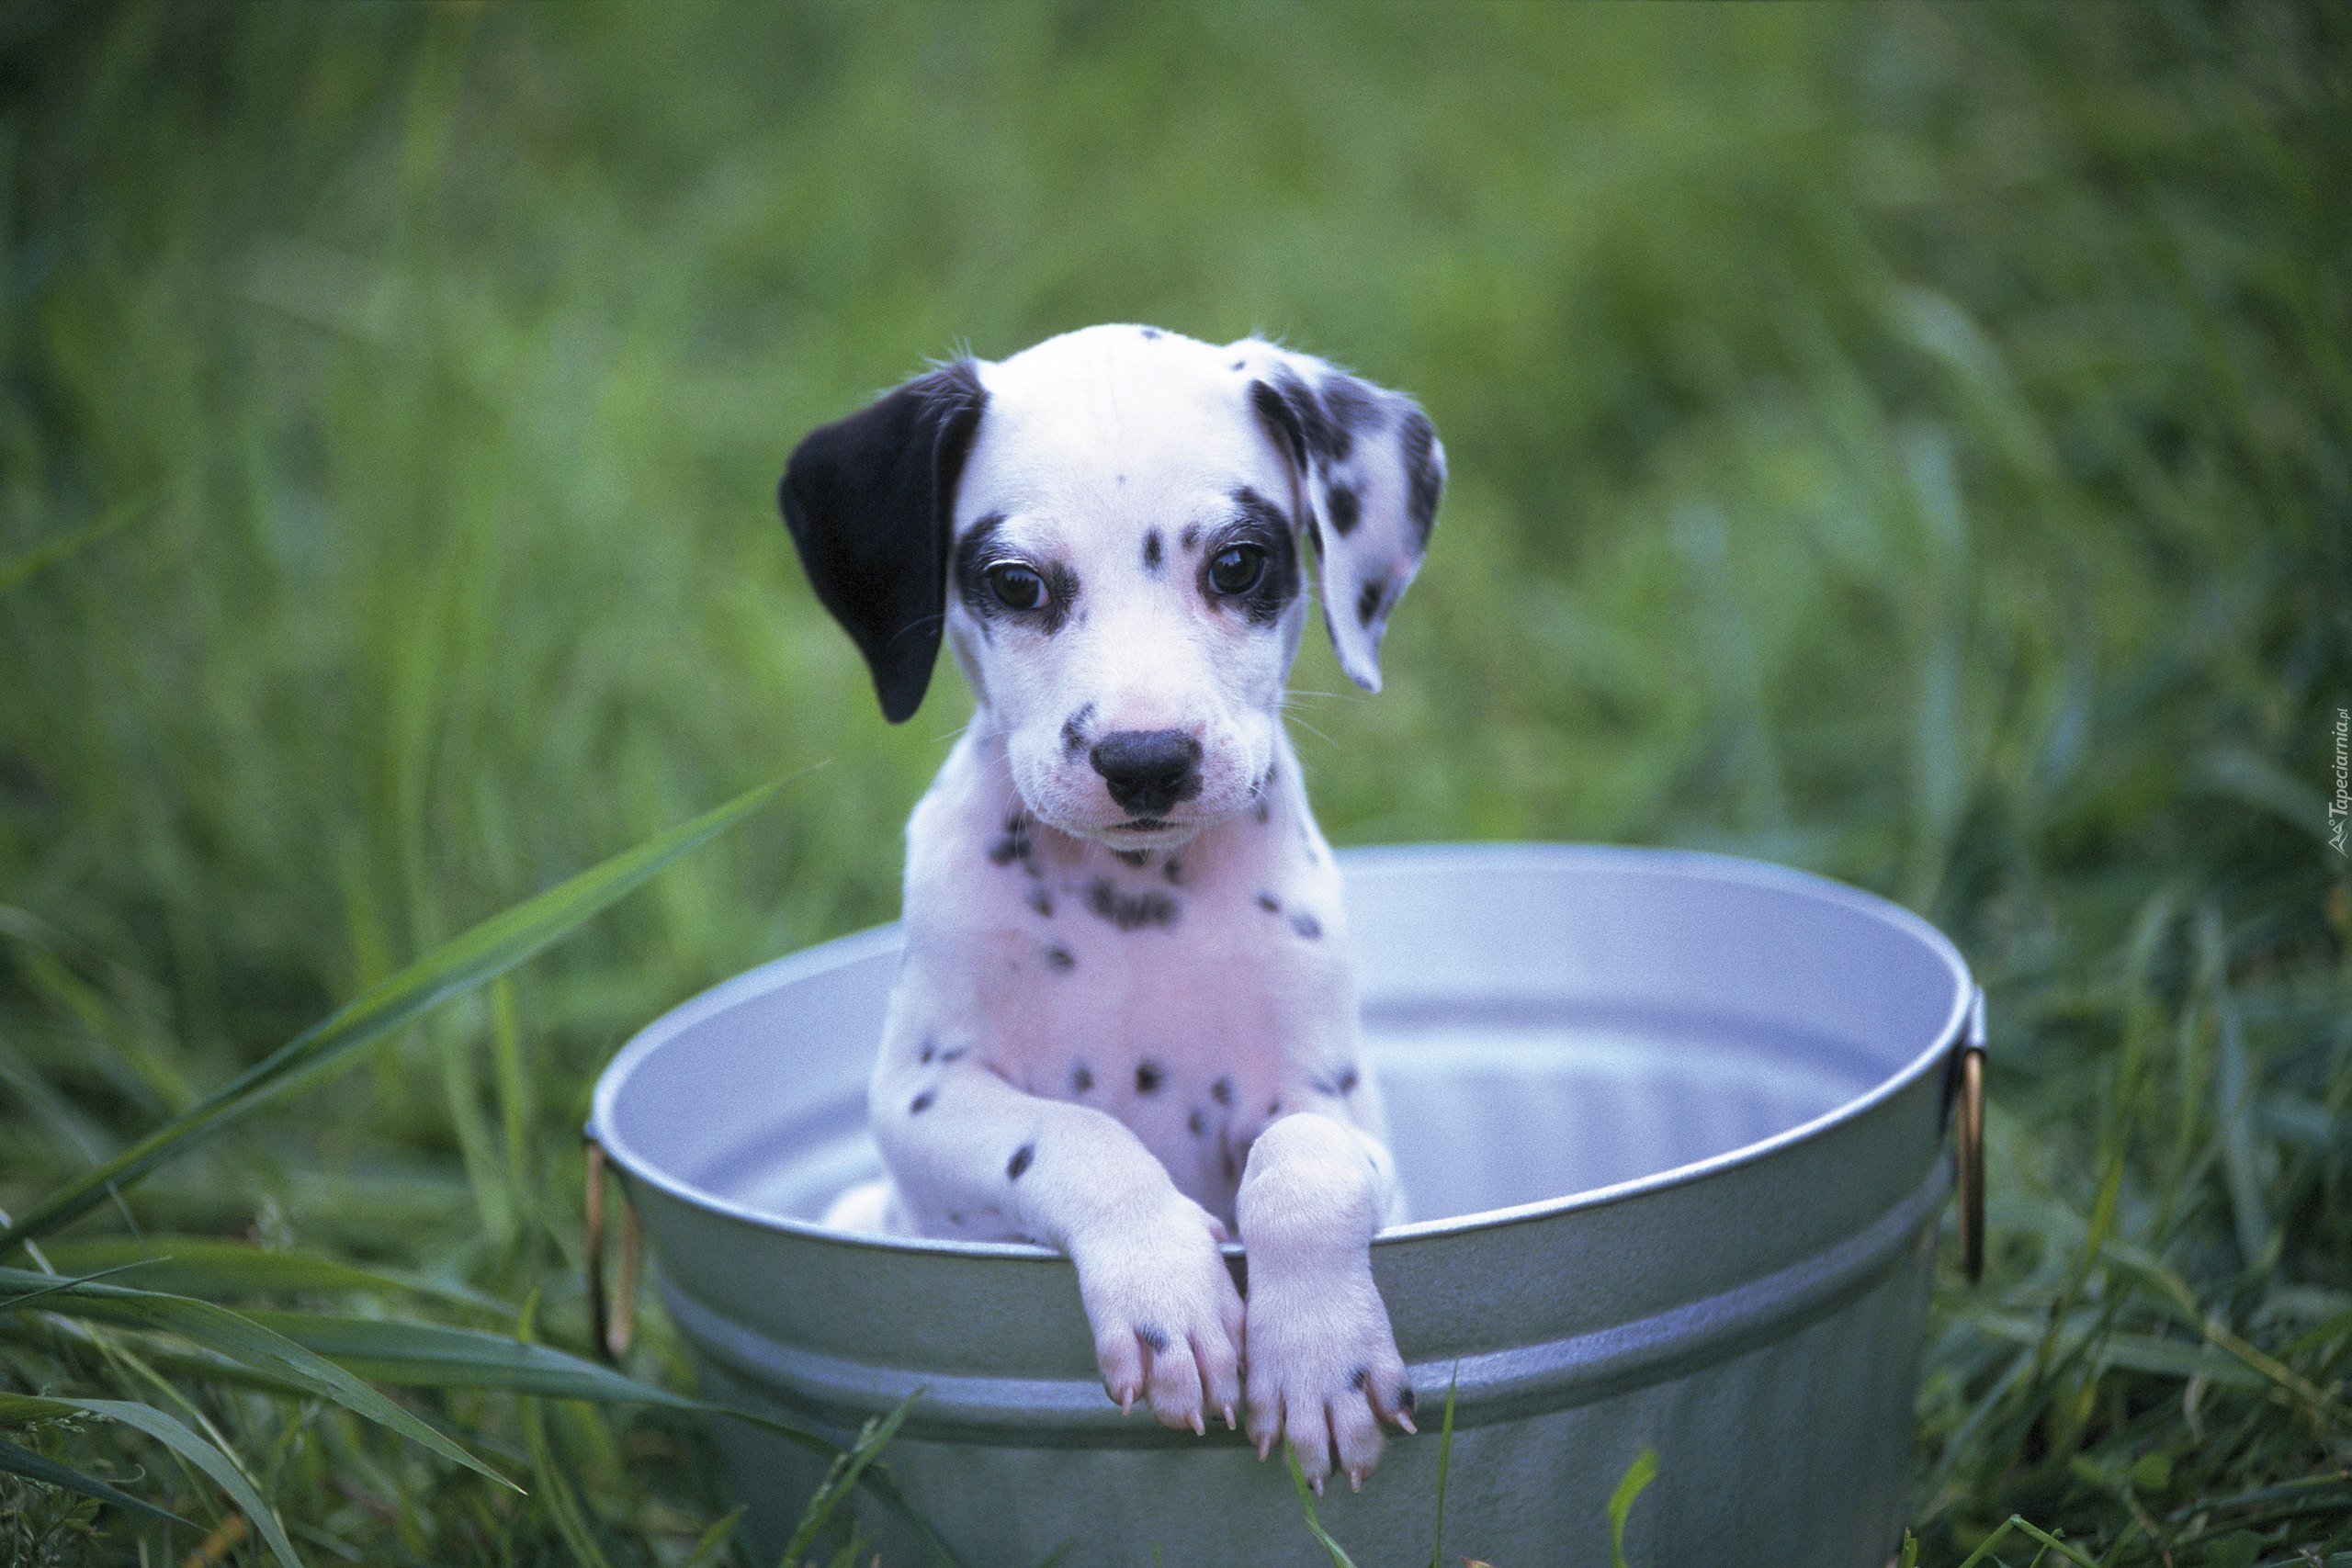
x=1672 y=1128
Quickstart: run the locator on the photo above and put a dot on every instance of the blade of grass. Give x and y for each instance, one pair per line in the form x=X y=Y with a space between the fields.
x=240 y=1338
x=1445 y=1463
x=34 y=1467
x=1629 y=1485
x=571 y=1520
x=487 y=949
x=2234 y=1091
x=712 y=1544
x=427 y=1355
x=2024 y=1527
x=169 y=1431
x=518 y=1107
x=23 y=567
x=20 y=1301
x=1339 y=1558
x=842 y=1479
x=2169 y=1287
x=208 y=1266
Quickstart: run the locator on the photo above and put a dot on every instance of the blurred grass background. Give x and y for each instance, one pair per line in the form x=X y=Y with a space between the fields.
x=1907 y=443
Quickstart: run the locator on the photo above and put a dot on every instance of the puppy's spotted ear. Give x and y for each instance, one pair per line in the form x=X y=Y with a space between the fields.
x=870 y=500
x=1370 y=473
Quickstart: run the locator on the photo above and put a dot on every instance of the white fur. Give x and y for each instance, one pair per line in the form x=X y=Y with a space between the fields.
x=1130 y=1044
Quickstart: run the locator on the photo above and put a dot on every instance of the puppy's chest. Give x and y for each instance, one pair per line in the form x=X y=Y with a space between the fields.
x=1184 y=992
x=1180 y=959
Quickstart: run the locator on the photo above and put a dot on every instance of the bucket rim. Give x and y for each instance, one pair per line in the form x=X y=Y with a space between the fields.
x=1695 y=865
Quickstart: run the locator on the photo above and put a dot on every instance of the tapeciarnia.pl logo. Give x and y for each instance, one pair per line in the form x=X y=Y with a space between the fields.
x=2341 y=806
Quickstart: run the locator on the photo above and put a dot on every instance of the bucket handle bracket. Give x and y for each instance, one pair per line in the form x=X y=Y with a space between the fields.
x=1968 y=1139
x=611 y=1330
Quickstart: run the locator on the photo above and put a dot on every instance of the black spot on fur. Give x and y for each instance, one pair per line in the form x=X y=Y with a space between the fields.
x=1018 y=843
x=1275 y=1105
x=1262 y=525
x=1339 y=1085
x=930 y=1049
x=1423 y=482
x=1151 y=551
x=982 y=547
x=1074 y=730
x=921 y=1103
x=1041 y=901
x=1222 y=1091
x=1280 y=416
x=1369 y=599
x=1353 y=404
x=1081 y=1077
x=1318 y=436
x=1133 y=857
x=1361 y=1378
x=954 y=1217
x=952 y=1056
x=1148 y=1076
x=1239 y=365
x=1404 y=1400
x=1155 y=1336
x=1058 y=959
x=1130 y=912
x=1020 y=1161
x=1306 y=925
x=1173 y=870
x=1264 y=812
x=1150 y=333
x=1191 y=536
x=1343 y=509
x=1269 y=903
x=1197 y=1122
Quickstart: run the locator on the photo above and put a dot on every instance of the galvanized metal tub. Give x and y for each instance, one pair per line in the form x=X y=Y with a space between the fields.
x=1672 y=1127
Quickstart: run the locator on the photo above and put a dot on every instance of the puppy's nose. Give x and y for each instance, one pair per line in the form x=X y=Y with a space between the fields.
x=1148 y=770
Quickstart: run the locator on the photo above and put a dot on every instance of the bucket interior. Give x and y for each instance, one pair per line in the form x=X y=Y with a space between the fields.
x=1544 y=1023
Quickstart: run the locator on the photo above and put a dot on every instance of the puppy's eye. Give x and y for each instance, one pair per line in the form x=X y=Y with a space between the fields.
x=1016 y=587
x=1236 y=568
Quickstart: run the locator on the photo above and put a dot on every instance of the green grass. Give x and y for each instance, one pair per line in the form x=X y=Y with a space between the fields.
x=1907 y=443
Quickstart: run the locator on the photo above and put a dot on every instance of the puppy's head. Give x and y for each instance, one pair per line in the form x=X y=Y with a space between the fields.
x=1109 y=531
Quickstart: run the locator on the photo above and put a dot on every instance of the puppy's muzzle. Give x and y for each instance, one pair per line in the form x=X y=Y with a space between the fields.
x=1148 y=771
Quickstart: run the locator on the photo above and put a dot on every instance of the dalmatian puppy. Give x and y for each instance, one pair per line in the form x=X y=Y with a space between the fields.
x=1124 y=1024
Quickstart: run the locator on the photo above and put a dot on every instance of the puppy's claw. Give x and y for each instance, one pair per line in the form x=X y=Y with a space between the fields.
x=1230 y=1425
x=1127 y=1400
x=1265 y=1447
x=1355 y=1480
x=1404 y=1419
x=1318 y=1484
x=1200 y=1428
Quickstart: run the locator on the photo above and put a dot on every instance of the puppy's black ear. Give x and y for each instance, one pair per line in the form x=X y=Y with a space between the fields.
x=870 y=500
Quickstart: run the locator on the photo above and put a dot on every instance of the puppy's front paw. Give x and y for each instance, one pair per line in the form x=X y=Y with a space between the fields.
x=1167 y=1321
x=1323 y=1369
